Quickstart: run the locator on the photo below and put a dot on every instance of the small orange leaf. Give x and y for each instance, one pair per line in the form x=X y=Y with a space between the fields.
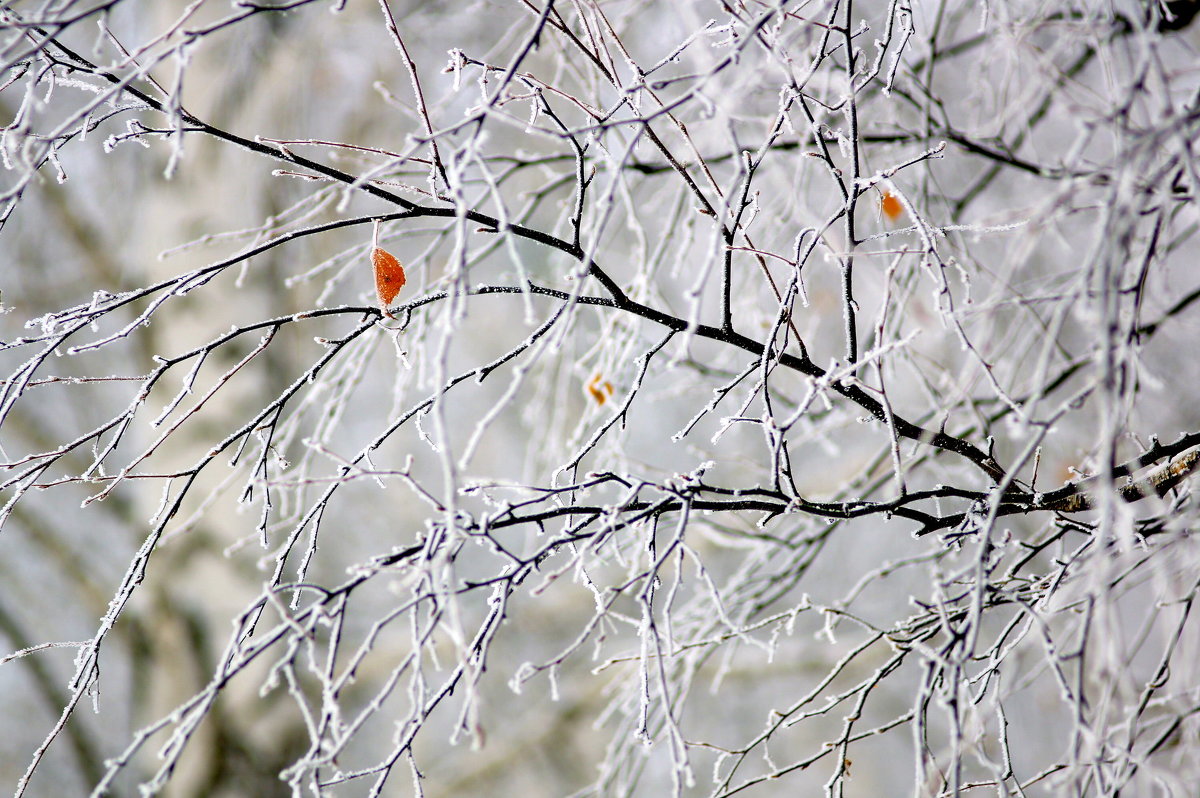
x=389 y=276
x=891 y=206
x=599 y=389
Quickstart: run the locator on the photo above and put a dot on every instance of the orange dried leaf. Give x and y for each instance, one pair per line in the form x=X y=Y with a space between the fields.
x=891 y=206
x=389 y=276
x=599 y=389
